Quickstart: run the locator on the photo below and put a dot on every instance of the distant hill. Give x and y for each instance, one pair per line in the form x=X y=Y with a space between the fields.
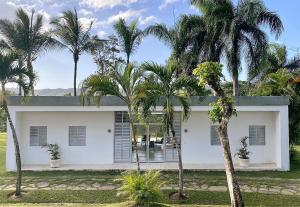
x=48 y=92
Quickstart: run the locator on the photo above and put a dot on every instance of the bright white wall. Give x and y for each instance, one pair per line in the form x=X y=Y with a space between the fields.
x=99 y=142
x=196 y=147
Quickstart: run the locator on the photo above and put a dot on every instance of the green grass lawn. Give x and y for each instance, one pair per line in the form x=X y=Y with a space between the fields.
x=109 y=198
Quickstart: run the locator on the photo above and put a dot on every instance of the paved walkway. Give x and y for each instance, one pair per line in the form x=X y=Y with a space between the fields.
x=109 y=184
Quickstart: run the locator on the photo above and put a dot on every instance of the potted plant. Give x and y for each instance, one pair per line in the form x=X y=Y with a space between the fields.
x=243 y=153
x=53 y=150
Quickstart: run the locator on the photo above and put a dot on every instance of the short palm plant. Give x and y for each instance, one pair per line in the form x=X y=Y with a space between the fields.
x=162 y=84
x=143 y=189
x=123 y=82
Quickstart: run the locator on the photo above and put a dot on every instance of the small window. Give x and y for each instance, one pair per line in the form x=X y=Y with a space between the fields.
x=257 y=135
x=214 y=137
x=38 y=135
x=77 y=136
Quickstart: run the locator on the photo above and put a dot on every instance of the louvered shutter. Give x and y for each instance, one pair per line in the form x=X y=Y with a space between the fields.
x=214 y=137
x=257 y=135
x=38 y=135
x=171 y=152
x=122 y=143
x=77 y=136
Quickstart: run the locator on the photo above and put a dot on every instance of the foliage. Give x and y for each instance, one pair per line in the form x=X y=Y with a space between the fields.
x=143 y=189
x=216 y=114
x=244 y=88
x=105 y=54
x=243 y=151
x=2 y=121
x=53 y=150
x=209 y=72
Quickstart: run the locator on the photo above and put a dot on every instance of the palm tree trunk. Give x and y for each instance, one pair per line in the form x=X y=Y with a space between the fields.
x=134 y=140
x=76 y=58
x=127 y=61
x=235 y=86
x=30 y=68
x=180 y=166
x=17 y=148
x=233 y=186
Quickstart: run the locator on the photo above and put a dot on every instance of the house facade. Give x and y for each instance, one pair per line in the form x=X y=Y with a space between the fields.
x=99 y=137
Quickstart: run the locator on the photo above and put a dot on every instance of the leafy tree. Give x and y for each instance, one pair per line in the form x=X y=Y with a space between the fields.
x=275 y=57
x=105 y=54
x=122 y=82
x=130 y=36
x=74 y=36
x=162 y=82
x=210 y=73
x=238 y=28
x=244 y=88
x=27 y=37
x=9 y=73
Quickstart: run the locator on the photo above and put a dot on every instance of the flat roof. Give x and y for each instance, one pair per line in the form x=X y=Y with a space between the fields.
x=116 y=101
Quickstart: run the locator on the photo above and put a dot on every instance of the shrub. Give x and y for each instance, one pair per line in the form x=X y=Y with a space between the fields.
x=243 y=151
x=143 y=189
x=53 y=150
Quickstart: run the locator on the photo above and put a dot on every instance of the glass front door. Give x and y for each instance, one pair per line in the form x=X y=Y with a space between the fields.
x=150 y=143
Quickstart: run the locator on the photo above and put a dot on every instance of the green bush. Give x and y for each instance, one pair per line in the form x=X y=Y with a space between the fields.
x=143 y=189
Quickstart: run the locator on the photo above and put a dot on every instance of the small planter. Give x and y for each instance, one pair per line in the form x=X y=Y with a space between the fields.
x=243 y=162
x=55 y=163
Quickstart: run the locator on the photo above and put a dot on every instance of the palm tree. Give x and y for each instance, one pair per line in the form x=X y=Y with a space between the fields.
x=163 y=82
x=73 y=35
x=27 y=37
x=239 y=27
x=123 y=83
x=130 y=36
x=185 y=39
x=275 y=58
x=9 y=72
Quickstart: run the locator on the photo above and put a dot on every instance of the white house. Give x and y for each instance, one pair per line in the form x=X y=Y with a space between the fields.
x=98 y=137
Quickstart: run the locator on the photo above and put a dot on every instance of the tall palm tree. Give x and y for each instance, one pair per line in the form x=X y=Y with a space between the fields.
x=27 y=37
x=239 y=27
x=130 y=36
x=163 y=82
x=275 y=58
x=9 y=73
x=73 y=35
x=185 y=39
x=123 y=83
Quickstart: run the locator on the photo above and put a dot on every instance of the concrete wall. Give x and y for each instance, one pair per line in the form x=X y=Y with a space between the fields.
x=197 y=148
x=99 y=142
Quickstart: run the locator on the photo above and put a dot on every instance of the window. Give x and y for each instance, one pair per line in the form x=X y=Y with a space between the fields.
x=214 y=137
x=38 y=135
x=77 y=136
x=257 y=135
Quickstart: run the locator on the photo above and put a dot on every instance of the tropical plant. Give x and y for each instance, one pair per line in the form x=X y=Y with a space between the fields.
x=2 y=121
x=73 y=34
x=144 y=189
x=185 y=40
x=210 y=73
x=275 y=57
x=53 y=150
x=243 y=151
x=122 y=82
x=105 y=54
x=27 y=37
x=9 y=73
x=130 y=36
x=239 y=28
x=161 y=82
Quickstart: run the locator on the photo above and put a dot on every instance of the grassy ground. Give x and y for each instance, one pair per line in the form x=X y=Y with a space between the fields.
x=109 y=198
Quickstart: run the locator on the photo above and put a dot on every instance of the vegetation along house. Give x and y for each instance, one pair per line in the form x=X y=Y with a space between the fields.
x=98 y=137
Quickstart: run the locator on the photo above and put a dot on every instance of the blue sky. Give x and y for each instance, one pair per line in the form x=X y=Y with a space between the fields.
x=55 y=68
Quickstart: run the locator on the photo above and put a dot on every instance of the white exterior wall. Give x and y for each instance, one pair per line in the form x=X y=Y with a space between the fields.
x=99 y=149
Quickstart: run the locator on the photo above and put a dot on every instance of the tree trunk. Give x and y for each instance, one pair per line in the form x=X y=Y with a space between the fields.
x=30 y=68
x=233 y=186
x=180 y=166
x=127 y=61
x=235 y=86
x=76 y=58
x=17 y=148
x=134 y=141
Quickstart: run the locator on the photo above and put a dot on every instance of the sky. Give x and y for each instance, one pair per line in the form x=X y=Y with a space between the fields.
x=55 y=68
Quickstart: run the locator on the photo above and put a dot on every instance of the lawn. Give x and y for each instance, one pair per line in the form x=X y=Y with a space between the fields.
x=109 y=198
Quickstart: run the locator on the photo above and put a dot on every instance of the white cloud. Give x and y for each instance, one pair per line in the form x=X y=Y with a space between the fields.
x=165 y=3
x=128 y=14
x=101 y=34
x=85 y=12
x=98 y=4
x=87 y=21
x=147 y=20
